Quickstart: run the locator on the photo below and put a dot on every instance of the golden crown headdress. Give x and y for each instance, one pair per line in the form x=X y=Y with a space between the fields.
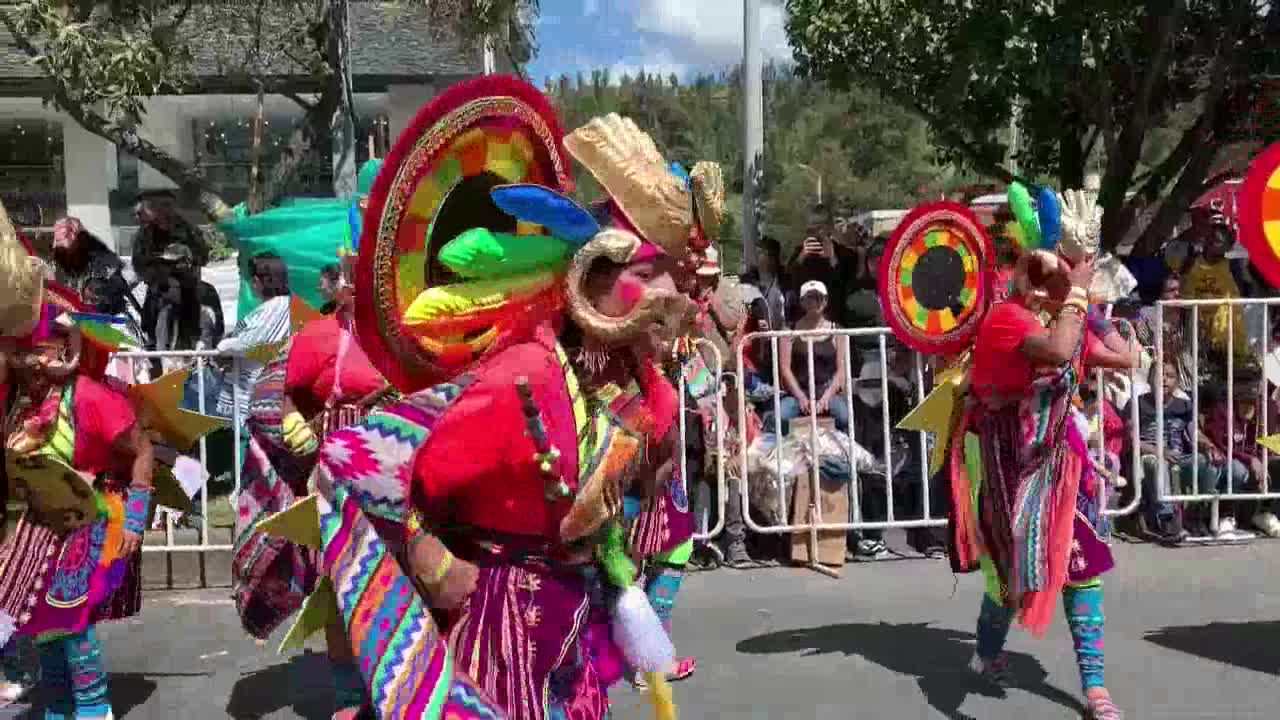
x=628 y=165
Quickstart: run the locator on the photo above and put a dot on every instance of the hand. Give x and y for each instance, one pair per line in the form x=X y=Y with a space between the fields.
x=763 y=325
x=824 y=404
x=803 y=401
x=1081 y=275
x=458 y=584
x=130 y=543
x=1258 y=470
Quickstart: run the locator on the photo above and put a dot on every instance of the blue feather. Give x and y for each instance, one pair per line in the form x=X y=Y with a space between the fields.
x=678 y=170
x=539 y=205
x=354 y=220
x=1050 y=214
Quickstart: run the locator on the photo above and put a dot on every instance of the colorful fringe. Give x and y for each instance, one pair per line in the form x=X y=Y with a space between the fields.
x=398 y=648
x=1015 y=485
x=271 y=577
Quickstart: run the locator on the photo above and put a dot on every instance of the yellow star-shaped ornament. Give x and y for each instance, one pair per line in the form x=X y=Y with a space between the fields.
x=158 y=404
x=266 y=353
x=937 y=413
x=318 y=611
x=300 y=523
x=1270 y=442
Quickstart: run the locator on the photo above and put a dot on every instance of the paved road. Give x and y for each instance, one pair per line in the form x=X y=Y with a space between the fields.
x=1192 y=633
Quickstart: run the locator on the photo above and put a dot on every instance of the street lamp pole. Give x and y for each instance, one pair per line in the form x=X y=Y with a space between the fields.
x=753 y=128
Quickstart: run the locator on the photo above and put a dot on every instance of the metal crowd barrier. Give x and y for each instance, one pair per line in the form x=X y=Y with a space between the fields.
x=171 y=544
x=1213 y=495
x=816 y=523
x=704 y=533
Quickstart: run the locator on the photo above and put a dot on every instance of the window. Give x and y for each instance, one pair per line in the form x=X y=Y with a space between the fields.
x=32 y=181
x=224 y=150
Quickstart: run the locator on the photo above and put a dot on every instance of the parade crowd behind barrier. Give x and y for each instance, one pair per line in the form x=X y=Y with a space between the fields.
x=845 y=475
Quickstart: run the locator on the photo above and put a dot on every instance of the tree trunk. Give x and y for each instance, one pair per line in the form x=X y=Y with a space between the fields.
x=1190 y=185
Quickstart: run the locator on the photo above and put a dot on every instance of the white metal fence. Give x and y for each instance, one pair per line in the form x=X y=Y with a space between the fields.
x=198 y=361
x=1188 y=313
x=890 y=466
x=879 y=351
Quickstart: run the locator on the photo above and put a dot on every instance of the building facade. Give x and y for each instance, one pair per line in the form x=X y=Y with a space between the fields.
x=51 y=167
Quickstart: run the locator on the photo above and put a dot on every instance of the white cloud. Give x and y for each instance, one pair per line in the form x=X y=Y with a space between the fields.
x=590 y=7
x=714 y=27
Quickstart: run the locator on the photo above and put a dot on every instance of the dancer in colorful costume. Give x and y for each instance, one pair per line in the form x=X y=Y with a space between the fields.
x=662 y=527
x=1027 y=501
x=73 y=448
x=524 y=332
x=79 y=450
x=322 y=381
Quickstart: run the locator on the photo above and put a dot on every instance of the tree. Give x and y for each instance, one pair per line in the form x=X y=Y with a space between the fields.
x=1146 y=91
x=103 y=61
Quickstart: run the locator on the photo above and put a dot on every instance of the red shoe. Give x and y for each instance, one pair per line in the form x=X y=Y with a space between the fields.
x=683 y=671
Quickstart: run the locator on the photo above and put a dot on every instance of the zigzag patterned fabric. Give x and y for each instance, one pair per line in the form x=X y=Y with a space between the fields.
x=373 y=460
x=364 y=473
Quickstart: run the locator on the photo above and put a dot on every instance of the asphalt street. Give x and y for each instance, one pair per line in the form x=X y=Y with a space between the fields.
x=1191 y=633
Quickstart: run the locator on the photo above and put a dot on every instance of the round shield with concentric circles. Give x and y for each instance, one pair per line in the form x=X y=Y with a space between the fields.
x=433 y=186
x=934 y=289
x=1260 y=214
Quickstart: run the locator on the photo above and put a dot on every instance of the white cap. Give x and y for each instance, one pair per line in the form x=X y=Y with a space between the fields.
x=813 y=286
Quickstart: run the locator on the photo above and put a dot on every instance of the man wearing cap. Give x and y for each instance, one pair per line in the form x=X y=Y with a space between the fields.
x=160 y=226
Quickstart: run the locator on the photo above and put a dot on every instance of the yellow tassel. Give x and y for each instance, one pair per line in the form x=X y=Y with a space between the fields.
x=664 y=704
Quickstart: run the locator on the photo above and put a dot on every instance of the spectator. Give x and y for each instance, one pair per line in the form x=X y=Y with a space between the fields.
x=184 y=322
x=1210 y=277
x=768 y=279
x=766 y=310
x=1177 y=348
x=159 y=226
x=829 y=363
x=862 y=307
x=1158 y=519
x=269 y=323
x=1230 y=463
x=86 y=265
x=816 y=259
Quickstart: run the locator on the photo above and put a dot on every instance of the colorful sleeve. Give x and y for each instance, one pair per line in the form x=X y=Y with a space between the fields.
x=1009 y=325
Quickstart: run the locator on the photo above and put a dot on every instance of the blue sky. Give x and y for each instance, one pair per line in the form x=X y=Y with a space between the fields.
x=666 y=36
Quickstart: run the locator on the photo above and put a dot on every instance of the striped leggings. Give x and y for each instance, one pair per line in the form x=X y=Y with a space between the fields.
x=72 y=674
x=1083 y=606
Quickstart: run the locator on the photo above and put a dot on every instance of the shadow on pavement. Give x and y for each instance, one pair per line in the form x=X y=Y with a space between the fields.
x=303 y=684
x=1250 y=645
x=937 y=657
x=127 y=691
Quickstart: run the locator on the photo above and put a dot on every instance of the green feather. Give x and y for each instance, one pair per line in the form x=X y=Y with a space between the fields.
x=482 y=254
x=611 y=552
x=1025 y=213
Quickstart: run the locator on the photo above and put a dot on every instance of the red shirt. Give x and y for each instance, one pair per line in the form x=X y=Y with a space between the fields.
x=478 y=468
x=999 y=366
x=102 y=417
x=313 y=365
